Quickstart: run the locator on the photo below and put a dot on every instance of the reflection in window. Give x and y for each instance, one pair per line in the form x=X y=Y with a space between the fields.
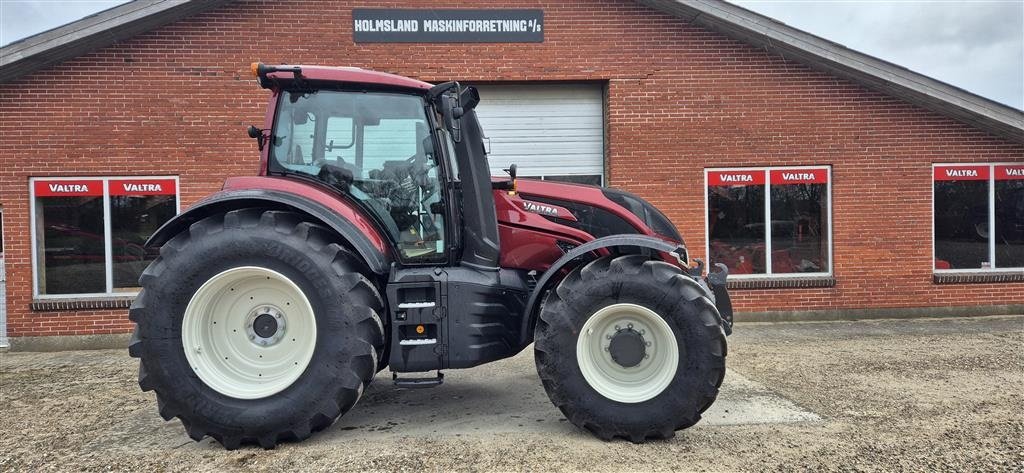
x=70 y=245
x=961 y=224
x=133 y=218
x=797 y=241
x=74 y=251
x=979 y=216
x=736 y=227
x=799 y=228
x=1009 y=234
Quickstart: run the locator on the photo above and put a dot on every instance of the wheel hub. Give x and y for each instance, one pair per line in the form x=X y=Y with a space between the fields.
x=627 y=352
x=627 y=348
x=265 y=325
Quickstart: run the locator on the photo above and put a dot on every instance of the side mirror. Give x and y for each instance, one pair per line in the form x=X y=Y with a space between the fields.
x=257 y=134
x=452 y=112
x=469 y=97
x=447 y=97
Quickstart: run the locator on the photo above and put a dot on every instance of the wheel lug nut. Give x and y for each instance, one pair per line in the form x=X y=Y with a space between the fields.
x=605 y=348
x=618 y=328
x=647 y=343
x=629 y=326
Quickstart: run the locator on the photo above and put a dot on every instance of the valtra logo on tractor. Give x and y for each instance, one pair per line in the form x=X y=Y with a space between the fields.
x=374 y=237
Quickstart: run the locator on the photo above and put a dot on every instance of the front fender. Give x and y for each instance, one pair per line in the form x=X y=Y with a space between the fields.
x=604 y=243
x=327 y=209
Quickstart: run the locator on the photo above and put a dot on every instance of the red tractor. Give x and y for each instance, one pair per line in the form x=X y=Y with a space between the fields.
x=374 y=237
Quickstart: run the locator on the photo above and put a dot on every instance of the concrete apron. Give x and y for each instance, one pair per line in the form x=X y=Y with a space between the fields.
x=743 y=402
x=507 y=397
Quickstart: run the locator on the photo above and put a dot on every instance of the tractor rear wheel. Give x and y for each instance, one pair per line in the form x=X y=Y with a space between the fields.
x=256 y=326
x=630 y=347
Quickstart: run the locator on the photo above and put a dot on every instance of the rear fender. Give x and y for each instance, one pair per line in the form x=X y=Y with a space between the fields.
x=585 y=253
x=327 y=209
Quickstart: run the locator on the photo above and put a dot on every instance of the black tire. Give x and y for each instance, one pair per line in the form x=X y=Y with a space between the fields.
x=345 y=302
x=660 y=287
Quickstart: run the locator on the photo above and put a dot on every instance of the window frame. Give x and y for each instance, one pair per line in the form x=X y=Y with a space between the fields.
x=768 y=274
x=991 y=203
x=107 y=236
x=544 y=177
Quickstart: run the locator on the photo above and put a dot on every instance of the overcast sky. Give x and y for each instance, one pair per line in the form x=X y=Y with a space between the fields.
x=975 y=45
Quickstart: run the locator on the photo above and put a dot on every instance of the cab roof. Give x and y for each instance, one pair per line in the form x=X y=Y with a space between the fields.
x=348 y=75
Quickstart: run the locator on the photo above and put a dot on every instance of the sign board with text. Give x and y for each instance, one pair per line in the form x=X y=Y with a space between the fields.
x=372 y=25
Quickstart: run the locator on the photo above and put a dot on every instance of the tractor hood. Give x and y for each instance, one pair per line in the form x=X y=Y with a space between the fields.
x=580 y=211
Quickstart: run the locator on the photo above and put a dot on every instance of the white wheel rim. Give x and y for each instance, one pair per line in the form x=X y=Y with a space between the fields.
x=228 y=353
x=632 y=384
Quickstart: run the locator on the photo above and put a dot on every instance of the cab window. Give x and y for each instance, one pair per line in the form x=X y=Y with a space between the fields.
x=375 y=147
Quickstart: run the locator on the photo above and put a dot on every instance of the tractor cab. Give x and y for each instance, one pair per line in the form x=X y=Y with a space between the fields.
x=375 y=147
x=393 y=147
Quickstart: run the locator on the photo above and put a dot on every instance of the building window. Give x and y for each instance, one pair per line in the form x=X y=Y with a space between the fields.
x=589 y=179
x=978 y=217
x=89 y=234
x=797 y=203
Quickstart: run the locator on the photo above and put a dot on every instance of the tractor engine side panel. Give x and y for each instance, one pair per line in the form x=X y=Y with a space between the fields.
x=530 y=249
x=529 y=240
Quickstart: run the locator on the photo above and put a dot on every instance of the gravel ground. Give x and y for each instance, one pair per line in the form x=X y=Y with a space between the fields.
x=929 y=394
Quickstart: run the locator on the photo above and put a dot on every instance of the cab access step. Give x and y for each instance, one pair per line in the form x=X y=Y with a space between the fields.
x=418 y=383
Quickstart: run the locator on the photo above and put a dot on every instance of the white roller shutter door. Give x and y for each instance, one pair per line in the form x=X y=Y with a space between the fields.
x=555 y=131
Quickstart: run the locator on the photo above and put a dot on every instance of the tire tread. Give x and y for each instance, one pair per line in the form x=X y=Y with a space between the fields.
x=358 y=370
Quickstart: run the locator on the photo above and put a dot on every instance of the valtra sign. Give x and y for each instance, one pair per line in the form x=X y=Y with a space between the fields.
x=1010 y=173
x=68 y=188
x=736 y=178
x=799 y=176
x=94 y=187
x=756 y=177
x=143 y=187
x=961 y=173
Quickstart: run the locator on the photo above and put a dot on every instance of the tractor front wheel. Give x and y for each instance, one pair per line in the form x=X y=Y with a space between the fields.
x=630 y=347
x=256 y=326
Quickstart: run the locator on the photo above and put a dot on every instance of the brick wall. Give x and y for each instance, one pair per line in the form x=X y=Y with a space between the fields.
x=176 y=100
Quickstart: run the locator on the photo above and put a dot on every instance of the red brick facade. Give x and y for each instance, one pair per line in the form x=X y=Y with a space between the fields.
x=176 y=100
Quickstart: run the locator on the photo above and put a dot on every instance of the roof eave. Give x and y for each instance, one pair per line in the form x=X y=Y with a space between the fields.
x=94 y=32
x=122 y=22
x=873 y=73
